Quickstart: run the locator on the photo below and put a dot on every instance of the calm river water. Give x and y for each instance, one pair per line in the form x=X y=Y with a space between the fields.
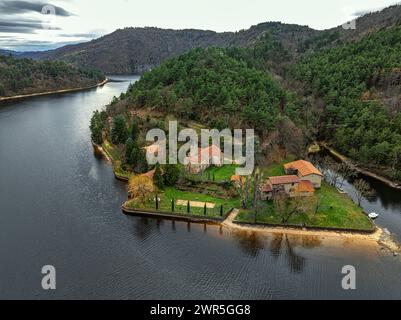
x=60 y=206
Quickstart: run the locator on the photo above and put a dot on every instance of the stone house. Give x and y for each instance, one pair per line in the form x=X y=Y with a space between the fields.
x=306 y=171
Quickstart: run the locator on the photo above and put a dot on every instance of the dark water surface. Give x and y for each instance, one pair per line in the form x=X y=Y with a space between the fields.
x=60 y=206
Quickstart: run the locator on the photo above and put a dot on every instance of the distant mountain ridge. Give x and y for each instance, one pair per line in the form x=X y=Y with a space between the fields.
x=135 y=50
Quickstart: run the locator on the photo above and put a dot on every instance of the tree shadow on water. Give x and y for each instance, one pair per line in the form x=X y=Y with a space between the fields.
x=284 y=245
x=250 y=243
x=145 y=227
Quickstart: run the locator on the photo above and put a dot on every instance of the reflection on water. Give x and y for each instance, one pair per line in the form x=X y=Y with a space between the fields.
x=60 y=205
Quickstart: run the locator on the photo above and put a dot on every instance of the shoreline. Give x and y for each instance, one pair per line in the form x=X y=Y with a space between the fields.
x=362 y=171
x=47 y=93
x=172 y=216
x=381 y=238
x=109 y=158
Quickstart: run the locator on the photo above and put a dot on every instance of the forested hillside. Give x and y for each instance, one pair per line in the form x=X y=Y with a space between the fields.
x=360 y=86
x=209 y=86
x=25 y=76
x=213 y=88
x=293 y=85
x=136 y=50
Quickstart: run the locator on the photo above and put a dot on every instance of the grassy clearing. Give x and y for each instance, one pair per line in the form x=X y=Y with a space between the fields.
x=276 y=169
x=166 y=197
x=221 y=174
x=336 y=211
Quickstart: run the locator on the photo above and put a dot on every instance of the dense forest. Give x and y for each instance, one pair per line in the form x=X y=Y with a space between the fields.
x=25 y=76
x=216 y=88
x=294 y=87
x=209 y=86
x=360 y=87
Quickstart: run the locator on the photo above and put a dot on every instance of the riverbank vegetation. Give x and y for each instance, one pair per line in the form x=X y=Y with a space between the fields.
x=26 y=76
x=327 y=209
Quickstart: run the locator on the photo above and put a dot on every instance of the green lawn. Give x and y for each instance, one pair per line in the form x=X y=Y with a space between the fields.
x=276 y=169
x=171 y=193
x=336 y=211
x=112 y=151
x=221 y=174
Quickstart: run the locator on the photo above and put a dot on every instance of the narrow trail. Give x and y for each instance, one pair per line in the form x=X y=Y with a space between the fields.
x=229 y=222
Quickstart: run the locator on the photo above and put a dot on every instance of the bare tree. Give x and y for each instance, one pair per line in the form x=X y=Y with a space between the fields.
x=362 y=190
x=280 y=205
x=323 y=164
x=243 y=185
x=287 y=208
x=247 y=191
x=140 y=188
x=346 y=172
x=256 y=183
x=334 y=173
x=291 y=138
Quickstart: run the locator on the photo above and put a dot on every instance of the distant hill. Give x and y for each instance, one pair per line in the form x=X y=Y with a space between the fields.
x=6 y=52
x=135 y=50
x=26 y=76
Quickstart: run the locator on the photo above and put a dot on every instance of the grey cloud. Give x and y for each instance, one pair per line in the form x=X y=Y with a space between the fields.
x=21 y=26
x=23 y=45
x=18 y=7
x=80 y=35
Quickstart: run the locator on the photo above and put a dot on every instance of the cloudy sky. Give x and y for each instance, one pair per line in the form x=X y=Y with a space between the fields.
x=24 y=27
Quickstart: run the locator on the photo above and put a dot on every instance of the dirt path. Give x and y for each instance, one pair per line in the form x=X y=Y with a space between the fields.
x=229 y=222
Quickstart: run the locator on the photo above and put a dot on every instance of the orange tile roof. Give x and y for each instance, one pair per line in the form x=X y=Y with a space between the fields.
x=237 y=178
x=154 y=148
x=149 y=174
x=266 y=188
x=304 y=168
x=212 y=151
x=305 y=186
x=284 y=180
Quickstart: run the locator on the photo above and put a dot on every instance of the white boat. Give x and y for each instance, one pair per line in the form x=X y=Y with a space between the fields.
x=373 y=215
x=341 y=190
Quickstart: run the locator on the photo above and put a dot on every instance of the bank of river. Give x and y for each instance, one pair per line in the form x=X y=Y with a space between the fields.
x=60 y=205
x=358 y=169
x=47 y=93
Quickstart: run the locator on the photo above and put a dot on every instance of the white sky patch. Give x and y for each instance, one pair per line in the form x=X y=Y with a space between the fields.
x=103 y=16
